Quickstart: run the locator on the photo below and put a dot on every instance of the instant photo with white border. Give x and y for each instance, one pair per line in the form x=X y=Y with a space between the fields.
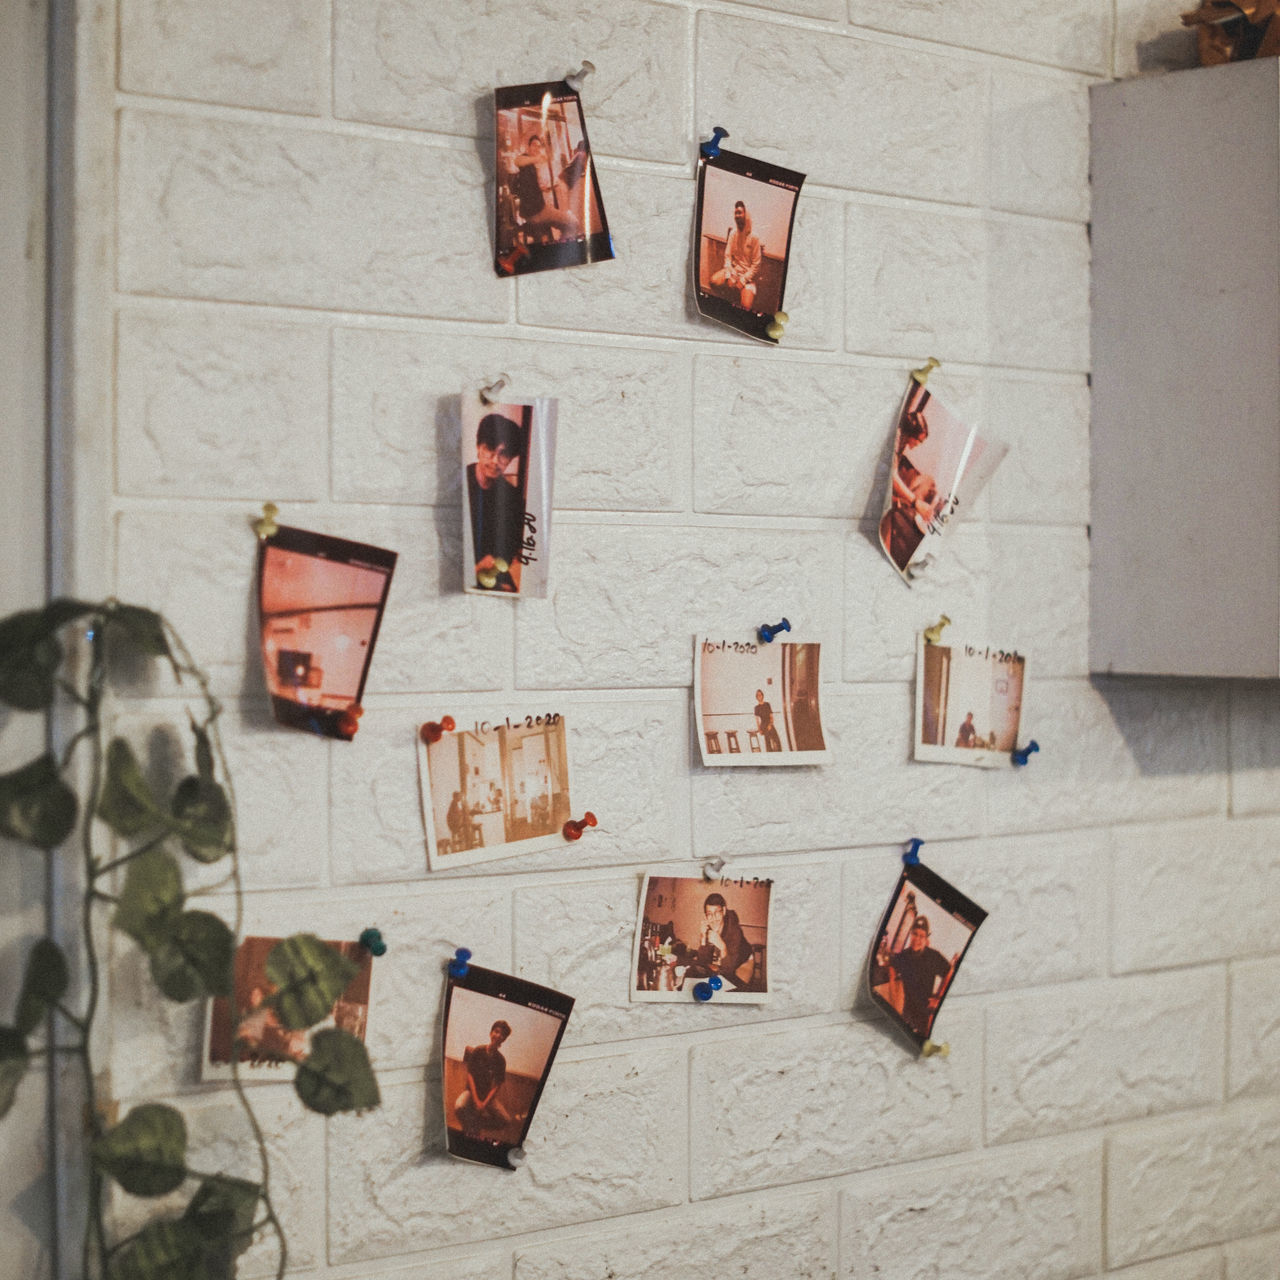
x=689 y=928
x=758 y=704
x=969 y=702
x=508 y=470
x=495 y=788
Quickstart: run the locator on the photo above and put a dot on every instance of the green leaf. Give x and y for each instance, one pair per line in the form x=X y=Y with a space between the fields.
x=36 y=805
x=151 y=899
x=30 y=654
x=146 y=1152
x=169 y=1249
x=194 y=958
x=143 y=627
x=127 y=804
x=204 y=752
x=203 y=818
x=336 y=1076
x=309 y=976
x=43 y=985
x=223 y=1211
x=13 y=1066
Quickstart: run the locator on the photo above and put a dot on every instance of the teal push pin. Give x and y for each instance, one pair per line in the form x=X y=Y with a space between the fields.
x=371 y=941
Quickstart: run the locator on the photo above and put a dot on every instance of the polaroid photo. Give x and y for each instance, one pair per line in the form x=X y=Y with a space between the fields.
x=320 y=604
x=745 y=215
x=508 y=459
x=758 y=704
x=690 y=929
x=915 y=956
x=549 y=211
x=495 y=788
x=939 y=467
x=263 y=1043
x=968 y=703
x=500 y=1039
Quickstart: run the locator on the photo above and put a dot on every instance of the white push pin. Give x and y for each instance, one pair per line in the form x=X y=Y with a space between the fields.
x=489 y=394
x=575 y=78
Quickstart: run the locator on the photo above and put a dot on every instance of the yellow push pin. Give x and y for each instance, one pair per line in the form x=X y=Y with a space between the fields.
x=775 y=326
x=934 y=633
x=267 y=527
x=921 y=375
x=929 y=1049
x=488 y=578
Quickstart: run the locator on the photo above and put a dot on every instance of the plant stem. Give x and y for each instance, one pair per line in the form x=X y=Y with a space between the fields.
x=145 y=847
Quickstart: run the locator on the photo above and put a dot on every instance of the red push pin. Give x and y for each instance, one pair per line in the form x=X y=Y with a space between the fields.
x=573 y=830
x=349 y=720
x=432 y=732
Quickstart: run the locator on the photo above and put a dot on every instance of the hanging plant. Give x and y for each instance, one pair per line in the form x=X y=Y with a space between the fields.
x=190 y=952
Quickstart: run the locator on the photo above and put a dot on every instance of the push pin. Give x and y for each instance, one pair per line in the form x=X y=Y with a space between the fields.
x=911 y=858
x=776 y=326
x=711 y=148
x=1022 y=755
x=431 y=732
x=573 y=830
x=267 y=527
x=574 y=78
x=516 y=1156
x=933 y=634
x=703 y=991
x=489 y=394
x=458 y=966
x=508 y=264
x=766 y=633
x=929 y=1049
x=918 y=567
x=349 y=720
x=712 y=868
x=921 y=375
x=371 y=941
x=488 y=578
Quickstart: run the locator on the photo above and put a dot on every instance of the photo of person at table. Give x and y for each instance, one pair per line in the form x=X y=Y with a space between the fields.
x=690 y=929
x=495 y=487
x=968 y=703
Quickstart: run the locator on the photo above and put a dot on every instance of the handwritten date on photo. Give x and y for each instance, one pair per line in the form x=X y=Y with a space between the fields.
x=1010 y=659
x=729 y=646
x=530 y=722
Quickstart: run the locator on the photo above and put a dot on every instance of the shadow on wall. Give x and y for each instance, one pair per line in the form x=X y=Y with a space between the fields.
x=1172 y=727
x=1169 y=51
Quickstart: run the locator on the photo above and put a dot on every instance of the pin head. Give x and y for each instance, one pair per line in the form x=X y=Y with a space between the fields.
x=703 y=991
x=711 y=148
x=266 y=527
x=432 y=732
x=349 y=720
x=911 y=857
x=371 y=941
x=458 y=966
x=777 y=326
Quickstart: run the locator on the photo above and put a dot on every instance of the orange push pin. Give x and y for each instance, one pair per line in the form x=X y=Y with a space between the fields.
x=431 y=732
x=349 y=720
x=573 y=830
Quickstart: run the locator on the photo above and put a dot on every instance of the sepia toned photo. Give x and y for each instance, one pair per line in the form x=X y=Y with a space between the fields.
x=968 y=703
x=549 y=213
x=500 y=1039
x=491 y=789
x=939 y=467
x=320 y=604
x=259 y=1037
x=690 y=929
x=746 y=212
x=758 y=704
x=917 y=951
x=508 y=459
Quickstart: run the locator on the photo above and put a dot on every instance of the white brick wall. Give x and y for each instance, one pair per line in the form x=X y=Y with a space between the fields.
x=291 y=265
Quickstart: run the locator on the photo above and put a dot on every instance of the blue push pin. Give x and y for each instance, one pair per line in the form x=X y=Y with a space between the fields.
x=371 y=941
x=767 y=632
x=1023 y=755
x=912 y=856
x=705 y=990
x=711 y=149
x=458 y=966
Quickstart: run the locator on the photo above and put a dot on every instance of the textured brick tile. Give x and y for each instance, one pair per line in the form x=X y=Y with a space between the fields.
x=1257 y=1259
x=613 y=620
x=870 y=792
x=1033 y=1212
x=1255 y=747
x=1040 y=144
x=915 y=117
x=1044 y=478
x=623 y=418
x=757 y=1240
x=1085 y=1055
x=1076 y=33
x=601 y=1144
x=434 y=67
x=254 y=213
x=1146 y=40
x=450 y=1266
x=237 y=52
x=579 y=937
x=1043 y=896
x=648 y=289
x=1117 y=751
x=1193 y=892
x=816 y=1102
x=1254 y=1046
x=212 y=406
x=917 y=283
x=1179 y=1184
x=1203 y=1264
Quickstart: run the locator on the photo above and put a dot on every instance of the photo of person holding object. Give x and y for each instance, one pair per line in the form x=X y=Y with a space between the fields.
x=495 y=502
